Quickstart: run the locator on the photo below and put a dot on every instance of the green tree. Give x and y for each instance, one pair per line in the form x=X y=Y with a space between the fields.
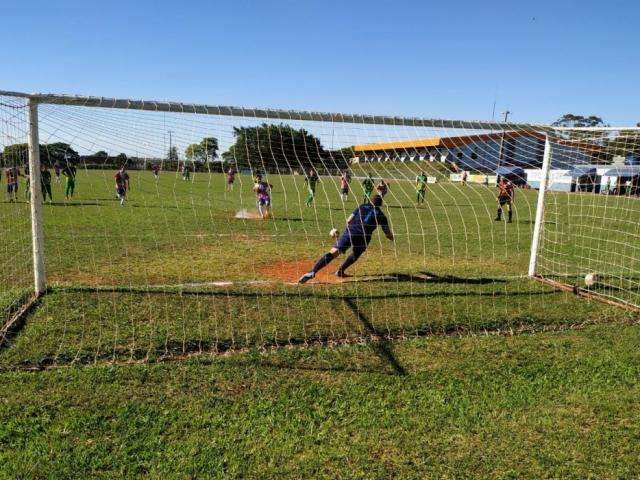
x=206 y=150
x=194 y=152
x=275 y=147
x=172 y=155
x=572 y=120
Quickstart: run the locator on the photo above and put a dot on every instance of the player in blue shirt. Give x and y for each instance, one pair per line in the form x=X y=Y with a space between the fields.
x=360 y=226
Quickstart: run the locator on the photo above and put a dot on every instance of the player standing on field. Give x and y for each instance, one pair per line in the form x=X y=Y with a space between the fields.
x=155 y=168
x=421 y=187
x=12 y=183
x=360 y=226
x=382 y=188
x=69 y=171
x=263 y=194
x=122 y=185
x=505 y=197
x=231 y=177
x=367 y=186
x=57 y=169
x=45 y=183
x=345 y=180
x=186 y=172
x=311 y=180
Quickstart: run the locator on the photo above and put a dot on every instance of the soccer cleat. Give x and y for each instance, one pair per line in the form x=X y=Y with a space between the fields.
x=306 y=277
x=497 y=219
x=340 y=274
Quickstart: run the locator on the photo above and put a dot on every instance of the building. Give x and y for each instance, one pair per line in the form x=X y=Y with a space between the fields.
x=482 y=153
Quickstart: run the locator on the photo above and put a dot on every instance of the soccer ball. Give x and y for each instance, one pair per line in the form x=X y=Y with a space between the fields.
x=590 y=279
x=333 y=233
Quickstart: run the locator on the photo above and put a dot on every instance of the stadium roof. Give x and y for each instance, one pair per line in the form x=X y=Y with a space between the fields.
x=626 y=171
x=448 y=142
x=582 y=171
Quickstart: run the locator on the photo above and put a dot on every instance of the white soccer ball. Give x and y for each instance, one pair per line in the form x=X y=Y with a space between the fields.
x=333 y=233
x=590 y=279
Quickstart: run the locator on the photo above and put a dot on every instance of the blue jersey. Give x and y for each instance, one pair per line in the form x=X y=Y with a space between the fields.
x=366 y=218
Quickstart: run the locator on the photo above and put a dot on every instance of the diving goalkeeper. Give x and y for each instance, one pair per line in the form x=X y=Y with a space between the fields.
x=360 y=226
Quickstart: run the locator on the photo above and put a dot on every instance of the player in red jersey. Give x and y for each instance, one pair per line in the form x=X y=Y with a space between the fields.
x=505 y=197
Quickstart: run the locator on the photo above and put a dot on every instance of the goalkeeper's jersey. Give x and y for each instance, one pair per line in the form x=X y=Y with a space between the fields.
x=366 y=218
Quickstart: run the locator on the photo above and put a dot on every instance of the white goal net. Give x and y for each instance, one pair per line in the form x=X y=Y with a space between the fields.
x=174 y=229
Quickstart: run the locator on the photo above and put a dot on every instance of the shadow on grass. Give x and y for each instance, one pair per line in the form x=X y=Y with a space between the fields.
x=299 y=294
x=382 y=347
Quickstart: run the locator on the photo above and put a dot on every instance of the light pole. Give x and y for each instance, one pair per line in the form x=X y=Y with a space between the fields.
x=170 y=144
x=500 y=151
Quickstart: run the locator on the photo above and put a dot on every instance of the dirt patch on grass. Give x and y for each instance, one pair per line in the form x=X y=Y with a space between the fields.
x=290 y=272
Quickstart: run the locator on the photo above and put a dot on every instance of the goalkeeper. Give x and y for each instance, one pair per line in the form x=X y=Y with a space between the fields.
x=360 y=226
x=421 y=187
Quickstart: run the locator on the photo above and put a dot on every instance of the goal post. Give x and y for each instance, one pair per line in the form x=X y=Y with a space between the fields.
x=537 y=228
x=37 y=230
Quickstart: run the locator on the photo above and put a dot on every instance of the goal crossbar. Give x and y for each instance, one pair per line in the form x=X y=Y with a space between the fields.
x=265 y=113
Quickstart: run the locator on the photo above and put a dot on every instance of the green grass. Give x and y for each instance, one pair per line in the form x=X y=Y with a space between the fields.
x=133 y=284
x=173 y=234
x=550 y=405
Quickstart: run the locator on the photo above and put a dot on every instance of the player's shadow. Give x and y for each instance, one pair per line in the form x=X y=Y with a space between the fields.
x=382 y=346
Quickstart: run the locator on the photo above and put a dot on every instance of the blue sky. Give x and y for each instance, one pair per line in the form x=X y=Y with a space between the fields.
x=434 y=59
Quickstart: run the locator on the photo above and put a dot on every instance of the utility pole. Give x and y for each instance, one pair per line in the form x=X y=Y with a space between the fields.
x=170 y=145
x=501 y=150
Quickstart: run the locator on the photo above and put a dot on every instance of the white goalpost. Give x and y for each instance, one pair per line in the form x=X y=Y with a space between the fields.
x=480 y=226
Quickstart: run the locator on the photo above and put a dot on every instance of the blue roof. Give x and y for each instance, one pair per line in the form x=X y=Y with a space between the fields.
x=624 y=171
x=510 y=171
x=582 y=170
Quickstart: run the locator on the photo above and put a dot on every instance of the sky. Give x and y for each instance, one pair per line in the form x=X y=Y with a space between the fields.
x=445 y=59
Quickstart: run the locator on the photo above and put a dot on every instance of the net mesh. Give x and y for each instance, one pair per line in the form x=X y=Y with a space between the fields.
x=180 y=254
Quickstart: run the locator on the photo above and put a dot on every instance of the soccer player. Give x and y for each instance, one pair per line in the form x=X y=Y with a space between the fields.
x=367 y=186
x=464 y=177
x=186 y=172
x=311 y=180
x=360 y=226
x=69 y=171
x=155 y=168
x=45 y=183
x=421 y=187
x=57 y=169
x=345 y=180
x=505 y=197
x=122 y=184
x=12 y=183
x=263 y=194
x=231 y=178
x=382 y=188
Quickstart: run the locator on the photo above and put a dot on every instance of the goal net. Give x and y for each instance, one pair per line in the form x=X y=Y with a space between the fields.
x=590 y=233
x=198 y=244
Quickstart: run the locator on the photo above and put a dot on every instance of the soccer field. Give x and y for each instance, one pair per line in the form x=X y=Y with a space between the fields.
x=437 y=358
x=173 y=272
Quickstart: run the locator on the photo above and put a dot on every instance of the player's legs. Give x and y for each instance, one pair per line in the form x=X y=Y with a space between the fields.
x=501 y=202
x=509 y=212
x=356 y=252
x=309 y=199
x=322 y=262
x=47 y=191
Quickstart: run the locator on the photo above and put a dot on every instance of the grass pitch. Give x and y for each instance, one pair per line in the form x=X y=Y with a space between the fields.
x=174 y=273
